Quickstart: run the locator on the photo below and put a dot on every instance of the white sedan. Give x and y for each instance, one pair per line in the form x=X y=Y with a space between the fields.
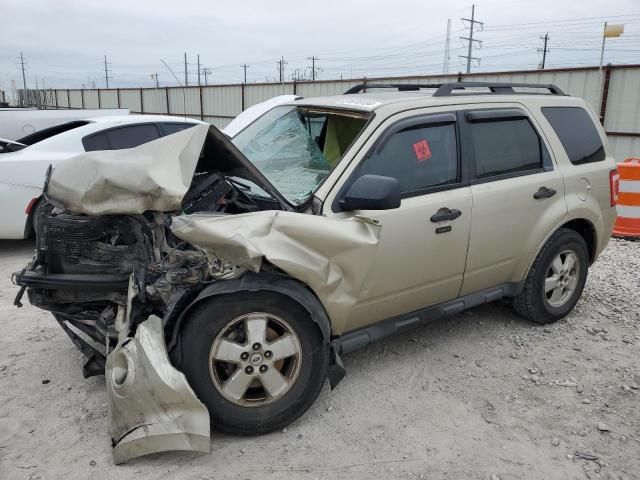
x=23 y=163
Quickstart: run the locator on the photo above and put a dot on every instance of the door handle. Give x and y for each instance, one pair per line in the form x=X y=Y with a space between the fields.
x=445 y=214
x=544 y=192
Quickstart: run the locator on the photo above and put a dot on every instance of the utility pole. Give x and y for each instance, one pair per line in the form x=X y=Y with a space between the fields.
x=186 y=72
x=281 y=63
x=198 y=69
x=544 y=49
x=206 y=71
x=447 y=49
x=244 y=66
x=106 y=71
x=24 y=78
x=313 y=66
x=472 y=23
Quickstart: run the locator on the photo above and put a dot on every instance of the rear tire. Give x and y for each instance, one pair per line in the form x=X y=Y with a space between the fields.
x=218 y=328
x=556 y=279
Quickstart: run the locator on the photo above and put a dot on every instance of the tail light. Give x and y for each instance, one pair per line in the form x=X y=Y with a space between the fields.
x=32 y=203
x=614 y=186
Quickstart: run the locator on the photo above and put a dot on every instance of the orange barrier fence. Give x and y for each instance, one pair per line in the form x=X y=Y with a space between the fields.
x=628 y=207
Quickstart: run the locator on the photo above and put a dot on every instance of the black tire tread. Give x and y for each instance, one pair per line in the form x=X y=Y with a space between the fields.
x=222 y=422
x=525 y=303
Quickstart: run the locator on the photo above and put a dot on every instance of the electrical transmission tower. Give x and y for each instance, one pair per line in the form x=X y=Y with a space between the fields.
x=106 y=71
x=314 y=74
x=447 y=49
x=472 y=24
x=544 y=49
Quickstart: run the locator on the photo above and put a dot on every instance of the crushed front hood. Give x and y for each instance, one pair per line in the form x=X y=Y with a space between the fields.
x=152 y=176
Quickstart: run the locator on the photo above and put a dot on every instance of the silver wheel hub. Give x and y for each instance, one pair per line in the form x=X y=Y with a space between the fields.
x=255 y=359
x=562 y=278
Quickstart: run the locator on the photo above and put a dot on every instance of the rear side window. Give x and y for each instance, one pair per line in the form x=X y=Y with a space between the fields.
x=577 y=133
x=121 y=137
x=95 y=142
x=170 y=128
x=505 y=147
x=419 y=157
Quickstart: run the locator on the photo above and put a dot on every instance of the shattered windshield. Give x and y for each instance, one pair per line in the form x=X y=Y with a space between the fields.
x=297 y=147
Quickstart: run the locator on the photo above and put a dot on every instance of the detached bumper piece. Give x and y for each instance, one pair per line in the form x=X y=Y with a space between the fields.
x=152 y=408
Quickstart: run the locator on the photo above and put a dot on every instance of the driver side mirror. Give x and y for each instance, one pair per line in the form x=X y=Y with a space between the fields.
x=372 y=192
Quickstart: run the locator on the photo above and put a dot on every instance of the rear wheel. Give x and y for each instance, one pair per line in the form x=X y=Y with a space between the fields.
x=556 y=279
x=257 y=361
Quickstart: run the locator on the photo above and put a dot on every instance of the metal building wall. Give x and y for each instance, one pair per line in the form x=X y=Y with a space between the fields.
x=219 y=104
x=131 y=98
x=155 y=101
x=108 y=99
x=264 y=91
x=91 y=99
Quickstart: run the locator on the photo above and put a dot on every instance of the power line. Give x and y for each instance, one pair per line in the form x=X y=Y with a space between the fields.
x=472 y=23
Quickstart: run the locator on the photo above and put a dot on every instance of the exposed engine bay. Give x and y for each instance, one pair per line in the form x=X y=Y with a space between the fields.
x=71 y=246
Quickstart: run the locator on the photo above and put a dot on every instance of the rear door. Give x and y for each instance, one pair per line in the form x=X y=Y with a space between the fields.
x=517 y=189
x=420 y=259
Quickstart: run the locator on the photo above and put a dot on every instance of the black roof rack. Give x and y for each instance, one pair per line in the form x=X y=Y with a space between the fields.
x=446 y=89
x=401 y=87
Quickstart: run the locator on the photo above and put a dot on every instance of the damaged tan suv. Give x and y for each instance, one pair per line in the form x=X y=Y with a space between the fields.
x=218 y=282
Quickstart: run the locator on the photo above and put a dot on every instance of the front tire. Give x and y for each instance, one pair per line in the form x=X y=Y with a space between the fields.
x=556 y=279
x=256 y=360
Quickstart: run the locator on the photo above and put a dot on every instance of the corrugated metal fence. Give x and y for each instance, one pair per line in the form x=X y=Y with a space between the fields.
x=613 y=92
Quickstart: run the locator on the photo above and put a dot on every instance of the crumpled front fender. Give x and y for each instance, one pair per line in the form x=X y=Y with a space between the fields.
x=152 y=408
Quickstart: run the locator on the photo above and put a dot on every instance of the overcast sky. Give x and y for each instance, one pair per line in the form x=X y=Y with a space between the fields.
x=64 y=41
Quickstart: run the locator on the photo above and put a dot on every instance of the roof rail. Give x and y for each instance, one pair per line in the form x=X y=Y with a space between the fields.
x=402 y=87
x=446 y=89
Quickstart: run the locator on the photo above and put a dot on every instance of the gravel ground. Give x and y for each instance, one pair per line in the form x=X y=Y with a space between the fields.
x=483 y=395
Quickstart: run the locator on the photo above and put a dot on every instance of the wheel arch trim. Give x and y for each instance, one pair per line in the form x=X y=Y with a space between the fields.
x=564 y=224
x=253 y=282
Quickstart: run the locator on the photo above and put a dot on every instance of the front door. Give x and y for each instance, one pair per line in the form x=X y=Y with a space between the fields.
x=423 y=244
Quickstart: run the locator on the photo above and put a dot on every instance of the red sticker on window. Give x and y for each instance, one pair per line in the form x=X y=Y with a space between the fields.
x=423 y=152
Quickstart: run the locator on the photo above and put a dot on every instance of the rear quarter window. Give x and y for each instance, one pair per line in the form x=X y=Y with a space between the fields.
x=129 y=136
x=577 y=133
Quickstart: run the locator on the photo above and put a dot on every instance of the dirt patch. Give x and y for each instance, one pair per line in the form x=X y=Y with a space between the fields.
x=483 y=395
